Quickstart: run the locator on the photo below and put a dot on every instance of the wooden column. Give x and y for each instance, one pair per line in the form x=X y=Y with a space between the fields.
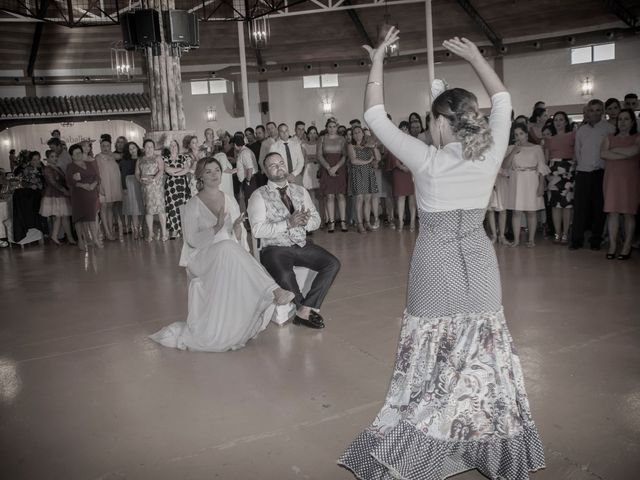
x=165 y=82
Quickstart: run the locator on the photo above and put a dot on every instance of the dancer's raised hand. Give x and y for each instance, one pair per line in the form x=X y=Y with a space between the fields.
x=463 y=48
x=378 y=53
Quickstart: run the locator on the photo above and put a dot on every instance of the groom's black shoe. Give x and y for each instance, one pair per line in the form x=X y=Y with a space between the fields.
x=311 y=322
x=316 y=317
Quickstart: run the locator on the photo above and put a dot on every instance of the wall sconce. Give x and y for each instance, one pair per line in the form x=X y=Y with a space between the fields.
x=122 y=63
x=212 y=114
x=587 y=88
x=327 y=106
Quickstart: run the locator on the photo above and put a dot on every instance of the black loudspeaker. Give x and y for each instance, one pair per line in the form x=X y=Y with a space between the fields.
x=147 y=27
x=182 y=28
x=128 y=26
x=264 y=107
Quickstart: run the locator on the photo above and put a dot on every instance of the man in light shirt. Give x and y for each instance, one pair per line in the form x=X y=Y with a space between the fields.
x=247 y=167
x=265 y=146
x=281 y=214
x=588 y=195
x=291 y=151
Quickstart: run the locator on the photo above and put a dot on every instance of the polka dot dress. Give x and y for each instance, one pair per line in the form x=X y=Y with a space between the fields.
x=176 y=193
x=457 y=399
x=362 y=178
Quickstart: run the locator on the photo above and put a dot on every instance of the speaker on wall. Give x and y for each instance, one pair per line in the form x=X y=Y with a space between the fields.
x=128 y=26
x=182 y=28
x=264 y=107
x=147 y=27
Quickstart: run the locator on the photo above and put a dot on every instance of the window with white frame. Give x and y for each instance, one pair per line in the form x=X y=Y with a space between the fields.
x=206 y=87
x=593 y=53
x=320 y=81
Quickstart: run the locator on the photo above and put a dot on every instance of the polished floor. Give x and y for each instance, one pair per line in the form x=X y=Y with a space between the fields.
x=85 y=395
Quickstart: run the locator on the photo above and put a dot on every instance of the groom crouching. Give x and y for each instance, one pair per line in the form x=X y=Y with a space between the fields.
x=281 y=214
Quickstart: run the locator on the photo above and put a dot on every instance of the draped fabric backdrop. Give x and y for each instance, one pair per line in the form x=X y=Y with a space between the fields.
x=35 y=136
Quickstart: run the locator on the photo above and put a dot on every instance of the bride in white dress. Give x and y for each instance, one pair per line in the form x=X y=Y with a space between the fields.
x=231 y=296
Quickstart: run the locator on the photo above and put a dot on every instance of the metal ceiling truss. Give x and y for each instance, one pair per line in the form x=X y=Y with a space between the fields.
x=623 y=13
x=470 y=10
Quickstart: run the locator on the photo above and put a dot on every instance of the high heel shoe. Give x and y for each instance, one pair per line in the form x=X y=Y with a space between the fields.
x=360 y=228
x=626 y=256
x=343 y=227
x=610 y=256
x=165 y=237
x=368 y=227
x=331 y=227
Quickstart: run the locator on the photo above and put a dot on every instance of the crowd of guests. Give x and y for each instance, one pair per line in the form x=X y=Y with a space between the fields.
x=573 y=176
x=566 y=176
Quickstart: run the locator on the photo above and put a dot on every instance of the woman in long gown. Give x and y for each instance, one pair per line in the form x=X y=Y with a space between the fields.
x=456 y=400
x=231 y=296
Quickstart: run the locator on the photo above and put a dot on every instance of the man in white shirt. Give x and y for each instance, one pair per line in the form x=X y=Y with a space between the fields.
x=281 y=214
x=265 y=146
x=247 y=167
x=588 y=201
x=291 y=151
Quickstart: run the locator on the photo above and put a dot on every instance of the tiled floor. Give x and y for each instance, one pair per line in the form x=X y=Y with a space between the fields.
x=85 y=395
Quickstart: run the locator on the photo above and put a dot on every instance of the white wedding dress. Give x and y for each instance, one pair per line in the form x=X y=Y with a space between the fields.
x=230 y=293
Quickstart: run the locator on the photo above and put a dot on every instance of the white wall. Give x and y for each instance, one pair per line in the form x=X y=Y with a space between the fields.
x=8 y=91
x=195 y=110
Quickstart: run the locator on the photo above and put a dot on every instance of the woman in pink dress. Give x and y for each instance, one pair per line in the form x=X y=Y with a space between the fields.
x=526 y=184
x=621 y=153
x=55 y=199
x=110 y=189
x=332 y=155
x=558 y=151
x=83 y=179
x=402 y=183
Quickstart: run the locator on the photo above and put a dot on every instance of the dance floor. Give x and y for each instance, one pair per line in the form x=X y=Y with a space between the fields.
x=85 y=395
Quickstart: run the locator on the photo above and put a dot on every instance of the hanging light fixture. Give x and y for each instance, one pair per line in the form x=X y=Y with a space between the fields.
x=392 y=50
x=259 y=31
x=122 y=62
x=587 y=88
x=212 y=114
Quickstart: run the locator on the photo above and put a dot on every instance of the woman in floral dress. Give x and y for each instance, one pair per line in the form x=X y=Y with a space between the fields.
x=150 y=174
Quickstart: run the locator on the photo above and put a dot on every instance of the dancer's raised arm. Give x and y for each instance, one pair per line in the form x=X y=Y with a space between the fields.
x=467 y=50
x=374 y=94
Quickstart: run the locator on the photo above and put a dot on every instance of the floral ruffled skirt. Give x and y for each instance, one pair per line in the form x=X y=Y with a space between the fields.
x=457 y=399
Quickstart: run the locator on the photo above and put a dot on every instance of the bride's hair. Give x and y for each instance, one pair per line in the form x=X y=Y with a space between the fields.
x=460 y=108
x=201 y=165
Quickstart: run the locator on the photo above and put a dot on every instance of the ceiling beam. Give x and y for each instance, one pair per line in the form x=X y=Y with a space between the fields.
x=37 y=35
x=481 y=22
x=355 y=18
x=624 y=14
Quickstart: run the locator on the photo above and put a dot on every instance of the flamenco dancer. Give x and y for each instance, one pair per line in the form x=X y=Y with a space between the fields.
x=457 y=399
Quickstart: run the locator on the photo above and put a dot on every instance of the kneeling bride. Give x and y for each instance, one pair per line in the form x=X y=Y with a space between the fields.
x=231 y=296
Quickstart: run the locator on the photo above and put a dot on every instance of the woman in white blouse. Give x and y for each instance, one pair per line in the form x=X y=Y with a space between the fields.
x=231 y=296
x=456 y=400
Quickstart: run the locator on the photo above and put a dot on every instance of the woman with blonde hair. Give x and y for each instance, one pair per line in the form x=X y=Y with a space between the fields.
x=457 y=400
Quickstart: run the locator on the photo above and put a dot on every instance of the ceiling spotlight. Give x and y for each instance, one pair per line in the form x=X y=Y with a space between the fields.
x=263 y=70
x=362 y=63
x=571 y=40
x=308 y=66
x=504 y=49
x=414 y=58
x=336 y=65
x=536 y=45
x=447 y=54
x=610 y=35
x=285 y=68
x=482 y=51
